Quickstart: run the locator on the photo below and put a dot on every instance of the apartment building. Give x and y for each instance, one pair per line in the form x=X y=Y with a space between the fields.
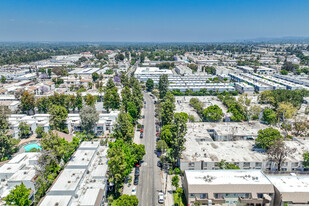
x=291 y=190
x=204 y=154
x=20 y=168
x=83 y=182
x=228 y=188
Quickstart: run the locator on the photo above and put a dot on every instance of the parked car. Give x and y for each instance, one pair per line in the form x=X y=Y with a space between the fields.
x=159 y=164
x=136 y=171
x=136 y=180
x=134 y=191
x=141 y=135
x=161 y=197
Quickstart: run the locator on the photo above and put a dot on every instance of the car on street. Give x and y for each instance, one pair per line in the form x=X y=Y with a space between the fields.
x=159 y=164
x=136 y=180
x=136 y=171
x=134 y=191
x=141 y=135
x=161 y=198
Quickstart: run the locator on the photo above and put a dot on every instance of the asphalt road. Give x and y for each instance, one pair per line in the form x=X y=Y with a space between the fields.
x=149 y=180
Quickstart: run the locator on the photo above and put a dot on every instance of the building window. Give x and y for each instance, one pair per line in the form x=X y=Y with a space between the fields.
x=192 y=195
x=246 y=164
x=191 y=164
x=204 y=196
x=258 y=164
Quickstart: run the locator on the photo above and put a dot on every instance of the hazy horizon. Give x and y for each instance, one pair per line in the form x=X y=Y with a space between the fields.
x=152 y=21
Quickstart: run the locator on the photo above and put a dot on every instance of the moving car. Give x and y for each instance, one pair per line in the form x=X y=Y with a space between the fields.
x=161 y=197
x=134 y=191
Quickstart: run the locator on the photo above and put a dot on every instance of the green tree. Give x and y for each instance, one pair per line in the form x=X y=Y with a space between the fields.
x=238 y=112
x=7 y=145
x=47 y=170
x=149 y=85
x=266 y=137
x=175 y=181
x=49 y=72
x=24 y=130
x=138 y=150
x=270 y=116
x=124 y=129
x=42 y=104
x=161 y=145
x=89 y=99
x=3 y=79
x=40 y=132
x=79 y=102
x=225 y=165
x=213 y=114
x=163 y=85
x=27 y=102
x=89 y=118
x=179 y=129
x=95 y=76
x=284 y=72
x=126 y=96
x=168 y=107
x=58 y=116
x=127 y=200
x=306 y=160
x=132 y=110
x=120 y=163
x=167 y=135
x=19 y=196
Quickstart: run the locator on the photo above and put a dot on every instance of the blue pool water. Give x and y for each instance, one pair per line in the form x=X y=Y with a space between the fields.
x=31 y=146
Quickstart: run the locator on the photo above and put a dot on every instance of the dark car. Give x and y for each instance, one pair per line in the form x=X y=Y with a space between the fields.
x=144 y=102
x=136 y=171
x=141 y=135
x=136 y=180
x=159 y=164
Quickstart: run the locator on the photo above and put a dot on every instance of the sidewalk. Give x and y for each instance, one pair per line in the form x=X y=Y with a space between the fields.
x=169 y=200
x=127 y=187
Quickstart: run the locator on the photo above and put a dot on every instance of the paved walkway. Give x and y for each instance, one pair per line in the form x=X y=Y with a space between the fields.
x=30 y=139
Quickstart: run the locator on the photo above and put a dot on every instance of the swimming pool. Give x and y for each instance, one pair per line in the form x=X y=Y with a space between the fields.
x=31 y=146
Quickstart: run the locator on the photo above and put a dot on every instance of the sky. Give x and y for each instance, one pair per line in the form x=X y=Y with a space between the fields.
x=152 y=20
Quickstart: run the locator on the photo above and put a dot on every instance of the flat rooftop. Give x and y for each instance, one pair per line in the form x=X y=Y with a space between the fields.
x=89 y=145
x=291 y=183
x=225 y=177
x=81 y=159
x=235 y=151
x=56 y=200
x=68 y=180
x=22 y=175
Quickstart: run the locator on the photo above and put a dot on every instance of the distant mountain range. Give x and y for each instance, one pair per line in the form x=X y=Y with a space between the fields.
x=287 y=39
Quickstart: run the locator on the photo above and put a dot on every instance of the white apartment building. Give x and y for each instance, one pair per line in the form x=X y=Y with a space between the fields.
x=228 y=187
x=201 y=154
x=20 y=168
x=83 y=182
x=291 y=190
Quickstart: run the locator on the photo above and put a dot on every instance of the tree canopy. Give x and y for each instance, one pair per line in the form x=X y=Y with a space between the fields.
x=267 y=137
x=19 y=196
x=212 y=113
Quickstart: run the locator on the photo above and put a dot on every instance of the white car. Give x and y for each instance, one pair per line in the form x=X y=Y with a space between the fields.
x=161 y=197
x=134 y=191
